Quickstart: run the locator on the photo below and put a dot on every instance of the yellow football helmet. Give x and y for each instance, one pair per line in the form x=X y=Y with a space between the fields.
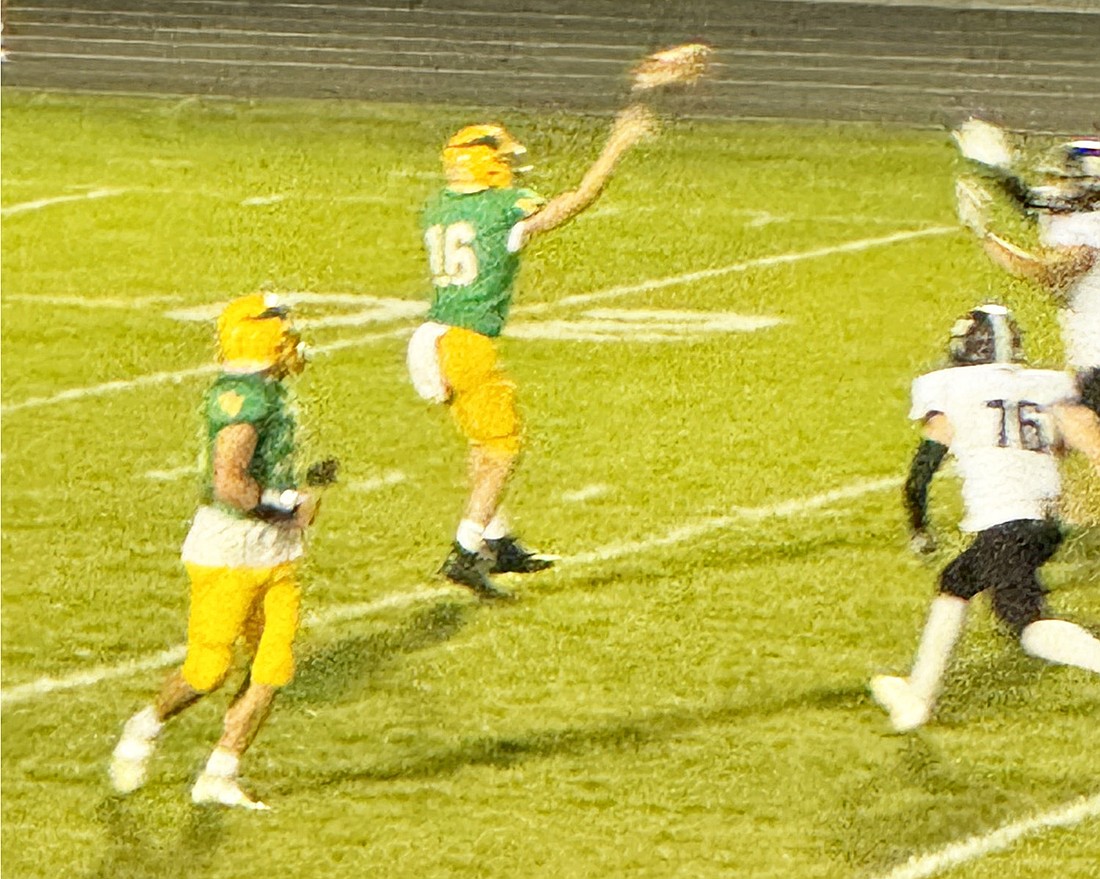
x=254 y=334
x=482 y=157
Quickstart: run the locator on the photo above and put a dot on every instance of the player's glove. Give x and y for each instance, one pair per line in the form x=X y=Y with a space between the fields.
x=322 y=473
x=922 y=543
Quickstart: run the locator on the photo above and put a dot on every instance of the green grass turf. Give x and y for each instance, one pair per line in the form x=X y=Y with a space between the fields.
x=693 y=708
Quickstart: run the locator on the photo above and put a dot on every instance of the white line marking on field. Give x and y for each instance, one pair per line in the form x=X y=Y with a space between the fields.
x=390 y=477
x=720 y=523
x=610 y=293
x=759 y=262
x=996 y=840
x=154 y=378
x=338 y=613
x=586 y=493
x=175 y=377
x=87 y=301
x=173 y=474
x=37 y=204
x=641 y=325
x=254 y=200
x=364 y=309
x=94 y=675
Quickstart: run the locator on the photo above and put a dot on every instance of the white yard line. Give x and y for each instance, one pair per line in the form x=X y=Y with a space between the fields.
x=376 y=483
x=568 y=301
x=738 y=514
x=173 y=474
x=338 y=613
x=40 y=203
x=163 y=377
x=89 y=301
x=999 y=839
x=585 y=493
x=746 y=265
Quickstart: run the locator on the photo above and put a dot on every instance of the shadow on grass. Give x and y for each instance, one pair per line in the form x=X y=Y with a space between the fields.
x=141 y=845
x=627 y=734
x=335 y=670
x=929 y=794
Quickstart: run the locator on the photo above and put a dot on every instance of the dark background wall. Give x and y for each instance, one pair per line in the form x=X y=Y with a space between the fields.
x=920 y=65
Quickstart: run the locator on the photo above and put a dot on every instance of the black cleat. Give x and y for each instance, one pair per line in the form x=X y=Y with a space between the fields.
x=512 y=557
x=470 y=569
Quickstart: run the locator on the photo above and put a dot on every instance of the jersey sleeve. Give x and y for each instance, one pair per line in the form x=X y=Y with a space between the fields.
x=927 y=394
x=526 y=203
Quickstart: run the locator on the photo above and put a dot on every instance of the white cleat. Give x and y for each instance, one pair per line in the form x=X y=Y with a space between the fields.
x=222 y=790
x=907 y=710
x=128 y=763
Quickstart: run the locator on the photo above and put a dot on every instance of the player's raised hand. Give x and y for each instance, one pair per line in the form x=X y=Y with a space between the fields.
x=985 y=143
x=678 y=65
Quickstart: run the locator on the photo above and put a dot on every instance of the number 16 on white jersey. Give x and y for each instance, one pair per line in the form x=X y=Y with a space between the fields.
x=1003 y=436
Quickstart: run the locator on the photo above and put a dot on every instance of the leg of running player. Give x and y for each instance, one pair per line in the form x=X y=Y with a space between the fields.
x=489 y=472
x=270 y=631
x=1021 y=605
x=910 y=700
x=220 y=602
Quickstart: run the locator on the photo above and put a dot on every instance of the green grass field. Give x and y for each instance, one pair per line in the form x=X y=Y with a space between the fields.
x=685 y=694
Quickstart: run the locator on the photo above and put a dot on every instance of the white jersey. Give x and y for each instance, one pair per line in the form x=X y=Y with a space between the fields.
x=1003 y=437
x=1080 y=318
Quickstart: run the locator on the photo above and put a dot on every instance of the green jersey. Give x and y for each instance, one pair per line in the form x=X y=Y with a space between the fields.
x=263 y=402
x=472 y=263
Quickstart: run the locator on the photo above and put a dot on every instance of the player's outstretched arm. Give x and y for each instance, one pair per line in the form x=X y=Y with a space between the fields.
x=631 y=125
x=1054 y=269
x=1079 y=427
x=929 y=456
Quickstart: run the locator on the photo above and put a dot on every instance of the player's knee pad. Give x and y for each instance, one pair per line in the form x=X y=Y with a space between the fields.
x=206 y=666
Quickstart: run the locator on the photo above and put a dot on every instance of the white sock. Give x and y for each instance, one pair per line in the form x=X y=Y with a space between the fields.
x=223 y=763
x=941 y=631
x=143 y=725
x=497 y=527
x=470 y=535
x=1062 y=642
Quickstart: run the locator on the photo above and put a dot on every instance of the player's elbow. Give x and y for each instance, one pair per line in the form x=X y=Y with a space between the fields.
x=235 y=490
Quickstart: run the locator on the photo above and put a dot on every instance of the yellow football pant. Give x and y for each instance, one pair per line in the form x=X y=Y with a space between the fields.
x=259 y=604
x=483 y=397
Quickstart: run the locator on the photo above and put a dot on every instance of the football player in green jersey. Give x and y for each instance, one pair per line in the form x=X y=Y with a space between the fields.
x=474 y=230
x=241 y=553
